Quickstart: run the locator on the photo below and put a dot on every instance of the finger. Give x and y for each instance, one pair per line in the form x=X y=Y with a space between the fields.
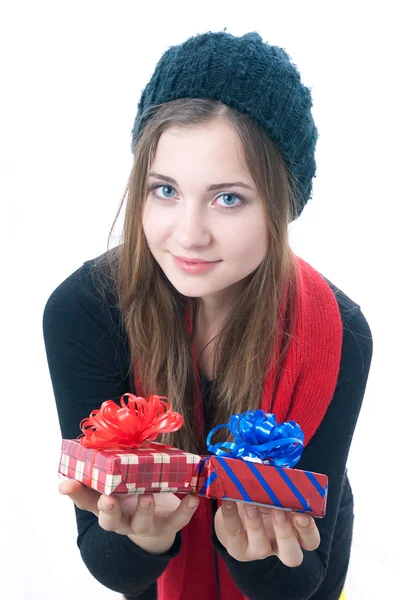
x=288 y=548
x=266 y=511
x=258 y=542
x=236 y=537
x=267 y=518
x=182 y=515
x=110 y=515
x=142 y=521
x=83 y=497
x=267 y=515
x=308 y=533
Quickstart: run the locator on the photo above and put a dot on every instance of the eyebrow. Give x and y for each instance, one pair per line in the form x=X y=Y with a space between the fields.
x=214 y=186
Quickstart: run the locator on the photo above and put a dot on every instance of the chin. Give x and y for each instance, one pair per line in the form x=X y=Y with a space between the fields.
x=191 y=288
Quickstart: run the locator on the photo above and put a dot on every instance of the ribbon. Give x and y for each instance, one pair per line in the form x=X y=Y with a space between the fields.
x=259 y=438
x=138 y=421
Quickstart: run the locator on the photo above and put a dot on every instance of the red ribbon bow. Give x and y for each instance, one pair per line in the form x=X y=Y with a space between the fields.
x=114 y=428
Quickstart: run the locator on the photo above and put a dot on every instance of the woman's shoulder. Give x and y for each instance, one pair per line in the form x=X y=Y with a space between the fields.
x=88 y=292
x=357 y=344
x=349 y=309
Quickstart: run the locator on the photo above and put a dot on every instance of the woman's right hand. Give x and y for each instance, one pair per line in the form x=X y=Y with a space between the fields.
x=150 y=521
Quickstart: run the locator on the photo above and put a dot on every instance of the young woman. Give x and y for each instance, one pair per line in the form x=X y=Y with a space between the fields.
x=204 y=302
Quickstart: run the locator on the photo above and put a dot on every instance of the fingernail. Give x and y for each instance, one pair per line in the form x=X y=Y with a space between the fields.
x=144 y=502
x=228 y=505
x=303 y=522
x=106 y=505
x=251 y=511
x=280 y=517
x=192 y=502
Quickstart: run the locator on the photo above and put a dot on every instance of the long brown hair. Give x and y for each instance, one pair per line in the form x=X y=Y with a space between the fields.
x=153 y=310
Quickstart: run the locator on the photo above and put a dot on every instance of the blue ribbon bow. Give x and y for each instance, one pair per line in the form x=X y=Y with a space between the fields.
x=258 y=437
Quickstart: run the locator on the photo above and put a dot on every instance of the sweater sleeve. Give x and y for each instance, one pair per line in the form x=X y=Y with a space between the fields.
x=87 y=367
x=270 y=578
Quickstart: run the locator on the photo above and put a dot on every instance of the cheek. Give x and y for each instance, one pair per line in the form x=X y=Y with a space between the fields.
x=247 y=241
x=153 y=226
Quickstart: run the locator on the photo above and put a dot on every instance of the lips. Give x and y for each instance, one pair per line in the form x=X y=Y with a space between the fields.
x=195 y=261
x=194 y=268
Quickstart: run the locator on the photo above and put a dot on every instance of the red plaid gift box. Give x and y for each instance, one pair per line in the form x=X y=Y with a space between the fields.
x=152 y=467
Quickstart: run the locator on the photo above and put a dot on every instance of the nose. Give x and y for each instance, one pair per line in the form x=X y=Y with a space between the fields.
x=192 y=228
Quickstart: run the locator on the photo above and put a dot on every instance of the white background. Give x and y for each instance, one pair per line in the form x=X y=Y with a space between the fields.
x=71 y=76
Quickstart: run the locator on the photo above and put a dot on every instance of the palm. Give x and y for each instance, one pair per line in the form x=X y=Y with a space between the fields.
x=153 y=528
x=265 y=533
x=267 y=522
x=165 y=504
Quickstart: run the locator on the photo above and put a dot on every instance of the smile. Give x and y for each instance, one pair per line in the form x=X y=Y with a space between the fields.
x=191 y=267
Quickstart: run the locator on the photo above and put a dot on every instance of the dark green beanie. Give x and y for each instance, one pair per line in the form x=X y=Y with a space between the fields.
x=253 y=77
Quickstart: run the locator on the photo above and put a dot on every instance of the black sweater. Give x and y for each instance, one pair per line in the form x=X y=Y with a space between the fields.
x=88 y=360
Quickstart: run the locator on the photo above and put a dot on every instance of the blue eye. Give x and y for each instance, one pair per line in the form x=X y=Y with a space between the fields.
x=163 y=188
x=224 y=196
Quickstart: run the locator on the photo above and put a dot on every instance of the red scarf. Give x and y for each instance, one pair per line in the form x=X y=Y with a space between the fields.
x=305 y=388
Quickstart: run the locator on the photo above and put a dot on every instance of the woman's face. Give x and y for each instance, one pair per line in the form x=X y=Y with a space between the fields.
x=205 y=206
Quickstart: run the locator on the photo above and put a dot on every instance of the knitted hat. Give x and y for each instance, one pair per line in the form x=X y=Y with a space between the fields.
x=251 y=76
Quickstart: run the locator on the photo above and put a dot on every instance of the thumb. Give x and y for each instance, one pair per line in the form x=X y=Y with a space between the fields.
x=83 y=497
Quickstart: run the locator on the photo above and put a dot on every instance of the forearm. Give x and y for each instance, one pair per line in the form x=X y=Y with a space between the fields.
x=116 y=562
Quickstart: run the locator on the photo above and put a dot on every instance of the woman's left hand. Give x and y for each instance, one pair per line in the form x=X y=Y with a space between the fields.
x=251 y=532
